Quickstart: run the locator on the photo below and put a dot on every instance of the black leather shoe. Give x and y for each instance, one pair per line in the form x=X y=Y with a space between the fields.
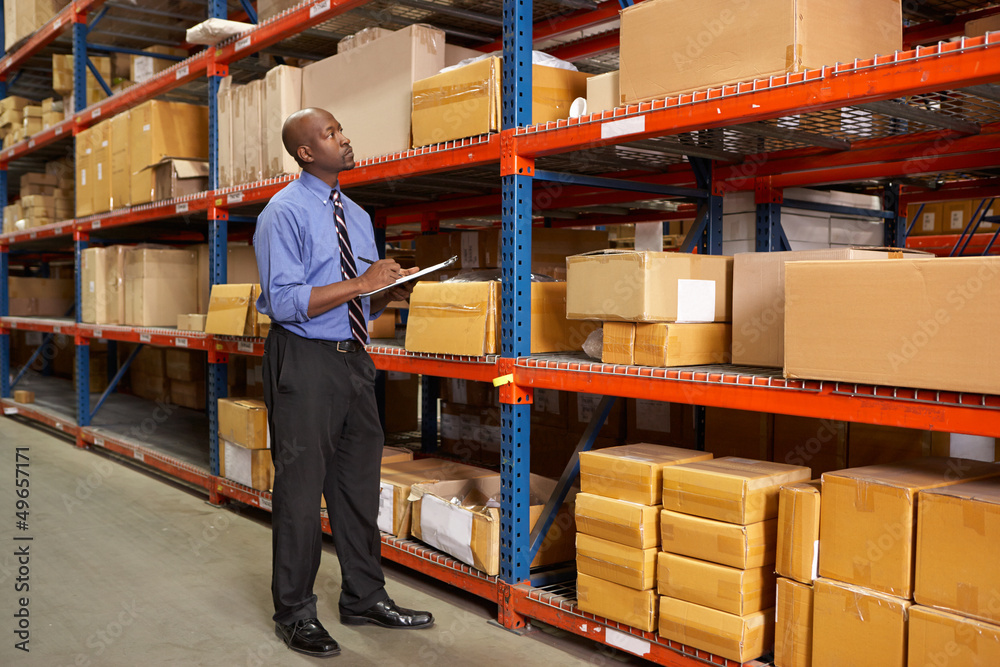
x=307 y=636
x=388 y=615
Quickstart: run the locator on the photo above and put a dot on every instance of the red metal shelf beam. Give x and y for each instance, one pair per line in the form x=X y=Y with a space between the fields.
x=191 y=340
x=153 y=459
x=62 y=130
x=160 y=210
x=64 y=228
x=67 y=327
x=931 y=32
x=31 y=411
x=942 y=245
x=481 y=369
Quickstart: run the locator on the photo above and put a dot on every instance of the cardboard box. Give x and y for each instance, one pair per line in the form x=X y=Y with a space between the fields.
x=931 y=316
x=793 y=631
x=847 y=617
x=659 y=422
x=188 y=394
x=936 y=637
x=669 y=47
x=729 y=489
x=631 y=286
x=368 y=89
x=620 y=521
x=282 y=98
x=665 y=345
x=84 y=148
x=632 y=472
x=930 y=221
x=24 y=17
x=466 y=102
x=819 y=444
x=603 y=92
x=121 y=167
x=956 y=215
x=397 y=480
x=191 y=322
x=958 y=535
x=24 y=396
x=150 y=387
x=40 y=297
x=798 y=531
x=101 y=163
x=228 y=139
x=759 y=299
x=251 y=99
x=249 y=467
x=868 y=519
x=739 y=433
x=619 y=343
x=185 y=365
x=480 y=249
x=470 y=530
x=739 y=638
x=159 y=285
x=244 y=421
x=150 y=361
x=979 y=27
x=144 y=68
x=721 y=587
x=611 y=561
x=615 y=602
x=743 y=547
x=232 y=310
x=241 y=267
x=870 y=444
x=362 y=37
x=163 y=129
x=174 y=177
x=102 y=276
x=963 y=446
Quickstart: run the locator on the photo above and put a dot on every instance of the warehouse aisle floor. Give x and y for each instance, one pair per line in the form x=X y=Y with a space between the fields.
x=129 y=569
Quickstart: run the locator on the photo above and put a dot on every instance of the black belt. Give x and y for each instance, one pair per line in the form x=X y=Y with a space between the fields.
x=345 y=346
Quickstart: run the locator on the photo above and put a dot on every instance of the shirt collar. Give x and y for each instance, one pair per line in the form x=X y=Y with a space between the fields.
x=317 y=186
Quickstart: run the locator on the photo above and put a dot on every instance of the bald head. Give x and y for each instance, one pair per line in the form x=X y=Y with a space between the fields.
x=301 y=129
x=317 y=142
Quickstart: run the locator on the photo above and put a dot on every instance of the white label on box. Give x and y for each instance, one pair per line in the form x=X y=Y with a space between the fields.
x=318 y=8
x=96 y=113
x=695 y=300
x=100 y=172
x=264 y=503
x=96 y=225
x=245 y=347
x=447 y=527
x=146 y=127
x=83 y=177
x=547 y=401
x=91 y=286
x=104 y=144
x=31 y=143
x=385 y=507
x=234 y=198
x=243 y=43
x=459 y=390
x=143 y=66
x=470 y=250
x=652 y=416
x=98 y=333
x=957 y=220
x=181 y=342
x=815 y=567
x=928 y=222
x=586 y=404
x=182 y=207
x=59 y=130
x=451 y=427
x=626 y=642
x=99 y=442
x=145 y=338
x=489 y=437
x=139 y=456
x=397 y=376
x=182 y=72
x=619 y=128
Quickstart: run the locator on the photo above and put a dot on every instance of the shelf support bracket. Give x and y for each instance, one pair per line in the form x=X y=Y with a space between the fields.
x=770 y=236
x=894 y=232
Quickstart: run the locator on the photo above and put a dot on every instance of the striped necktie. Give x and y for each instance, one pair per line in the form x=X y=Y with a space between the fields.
x=349 y=270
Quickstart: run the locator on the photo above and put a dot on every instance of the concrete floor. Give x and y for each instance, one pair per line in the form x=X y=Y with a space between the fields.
x=128 y=568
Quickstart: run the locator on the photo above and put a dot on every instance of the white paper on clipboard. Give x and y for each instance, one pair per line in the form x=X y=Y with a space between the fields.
x=414 y=276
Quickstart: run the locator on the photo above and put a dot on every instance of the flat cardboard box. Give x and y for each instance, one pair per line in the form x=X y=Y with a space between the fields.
x=368 y=89
x=628 y=566
x=191 y=322
x=729 y=489
x=619 y=343
x=721 y=587
x=603 y=92
x=793 y=628
x=739 y=433
x=228 y=137
x=870 y=444
x=630 y=286
x=249 y=467
x=798 y=531
x=121 y=166
x=174 y=177
x=819 y=444
x=666 y=345
x=846 y=618
x=632 y=472
x=232 y=310
x=251 y=98
x=144 y=68
x=937 y=637
x=669 y=47
x=615 y=602
x=160 y=129
x=743 y=547
x=24 y=396
x=868 y=519
x=759 y=299
x=958 y=538
x=620 y=521
x=102 y=276
x=470 y=530
x=282 y=98
x=466 y=101
x=931 y=316
x=159 y=285
x=244 y=421
x=40 y=297
x=739 y=638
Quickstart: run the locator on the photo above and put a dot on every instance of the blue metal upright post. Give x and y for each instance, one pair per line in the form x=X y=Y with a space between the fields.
x=770 y=236
x=4 y=337
x=80 y=243
x=894 y=232
x=711 y=238
x=515 y=449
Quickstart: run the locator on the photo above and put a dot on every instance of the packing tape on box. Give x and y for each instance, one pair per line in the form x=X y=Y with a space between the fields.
x=967 y=597
x=974 y=517
x=449 y=310
x=967 y=634
x=793 y=56
x=456 y=94
x=864 y=497
x=731 y=546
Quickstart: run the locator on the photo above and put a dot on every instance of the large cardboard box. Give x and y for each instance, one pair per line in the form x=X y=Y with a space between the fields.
x=362 y=37
x=721 y=587
x=871 y=444
x=466 y=101
x=144 y=68
x=937 y=637
x=230 y=118
x=739 y=433
x=615 y=602
x=103 y=285
x=401 y=391
x=191 y=322
x=174 y=177
x=956 y=215
x=249 y=467
x=630 y=286
x=603 y=92
x=931 y=316
x=188 y=394
x=979 y=27
x=659 y=422
x=160 y=284
x=251 y=99
x=739 y=638
x=666 y=345
x=868 y=519
x=729 y=489
x=819 y=444
x=857 y=626
x=23 y=17
x=618 y=346
x=759 y=299
x=282 y=98
x=160 y=129
x=102 y=170
x=368 y=89
x=469 y=529
x=611 y=561
x=669 y=47
x=244 y=422
x=629 y=524
x=743 y=547
x=793 y=628
x=930 y=221
x=958 y=539
x=798 y=531
x=40 y=297
x=632 y=472
x=121 y=165
x=185 y=365
x=85 y=172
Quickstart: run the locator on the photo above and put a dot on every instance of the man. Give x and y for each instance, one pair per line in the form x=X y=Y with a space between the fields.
x=319 y=387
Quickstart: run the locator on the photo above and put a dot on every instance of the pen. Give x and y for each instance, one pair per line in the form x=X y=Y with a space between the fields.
x=364 y=259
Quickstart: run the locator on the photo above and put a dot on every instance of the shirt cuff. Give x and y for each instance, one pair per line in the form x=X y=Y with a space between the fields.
x=300 y=302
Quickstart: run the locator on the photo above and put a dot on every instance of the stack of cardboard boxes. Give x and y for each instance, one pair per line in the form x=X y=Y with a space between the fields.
x=470 y=421
x=797 y=567
x=17 y=114
x=62 y=79
x=24 y=17
x=245 y=443
x=950 y=217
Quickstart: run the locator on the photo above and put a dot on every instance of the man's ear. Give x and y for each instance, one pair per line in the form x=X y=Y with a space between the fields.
x=304 y=153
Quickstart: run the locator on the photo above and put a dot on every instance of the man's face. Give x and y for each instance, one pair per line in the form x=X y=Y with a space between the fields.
x=330 y=148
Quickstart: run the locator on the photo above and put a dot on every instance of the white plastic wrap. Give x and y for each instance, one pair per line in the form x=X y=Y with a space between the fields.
x=537 y=58
x=594 y=344
x=213 y=31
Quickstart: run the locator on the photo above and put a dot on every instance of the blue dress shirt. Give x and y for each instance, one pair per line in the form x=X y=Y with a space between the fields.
x=297 y=249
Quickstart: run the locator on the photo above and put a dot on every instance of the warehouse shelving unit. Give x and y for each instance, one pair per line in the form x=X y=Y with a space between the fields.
x=853 y=126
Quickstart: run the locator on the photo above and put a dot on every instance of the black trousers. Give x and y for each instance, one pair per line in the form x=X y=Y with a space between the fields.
x=326 y=439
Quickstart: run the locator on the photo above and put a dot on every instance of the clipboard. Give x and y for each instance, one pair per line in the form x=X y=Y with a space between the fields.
x=414 y=276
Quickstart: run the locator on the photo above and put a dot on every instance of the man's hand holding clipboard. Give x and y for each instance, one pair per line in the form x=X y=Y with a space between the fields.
x=400 y=290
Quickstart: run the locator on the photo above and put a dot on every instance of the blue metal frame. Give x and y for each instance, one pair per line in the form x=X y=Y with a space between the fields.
x=105 y=48
x=770 y=235
x=46 y=339
x=618 y=184
x=894 y=229
x=249 y=9
x=916 y=216
x=115 y=380
x=100 y=79
x=971 y=228
x=835 y=208
x=79 y=67
x=708 y=228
